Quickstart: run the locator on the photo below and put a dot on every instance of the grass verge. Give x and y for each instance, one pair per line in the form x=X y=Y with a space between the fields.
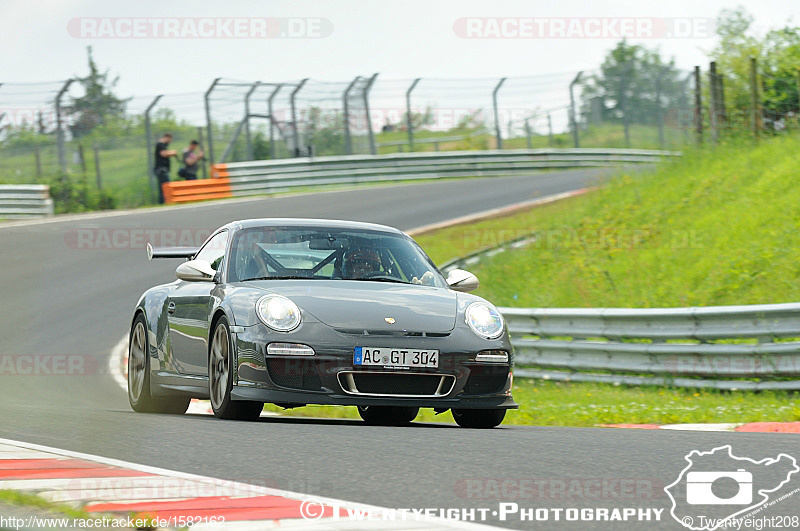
x=546 y=403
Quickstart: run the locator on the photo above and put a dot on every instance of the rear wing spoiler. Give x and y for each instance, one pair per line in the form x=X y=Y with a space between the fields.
x=170 y=252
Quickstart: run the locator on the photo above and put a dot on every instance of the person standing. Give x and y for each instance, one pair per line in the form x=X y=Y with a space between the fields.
x=162 y=162
x=191 y=160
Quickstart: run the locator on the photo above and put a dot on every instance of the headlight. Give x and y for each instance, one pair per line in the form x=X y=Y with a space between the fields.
x=278 y=312
x=485 y=320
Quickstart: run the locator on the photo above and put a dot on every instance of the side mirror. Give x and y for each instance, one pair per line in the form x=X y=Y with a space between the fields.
x=461 y=280
x=195 y=271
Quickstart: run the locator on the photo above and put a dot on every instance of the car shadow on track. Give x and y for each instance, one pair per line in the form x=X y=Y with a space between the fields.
x=323 y=421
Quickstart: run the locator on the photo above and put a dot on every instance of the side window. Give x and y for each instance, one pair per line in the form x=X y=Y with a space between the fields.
x=214 y=250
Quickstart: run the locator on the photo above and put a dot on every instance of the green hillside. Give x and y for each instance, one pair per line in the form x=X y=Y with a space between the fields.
x=719 y=226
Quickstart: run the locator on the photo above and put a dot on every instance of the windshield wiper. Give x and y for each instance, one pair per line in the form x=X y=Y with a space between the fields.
x=283 y=277
x=381 y=279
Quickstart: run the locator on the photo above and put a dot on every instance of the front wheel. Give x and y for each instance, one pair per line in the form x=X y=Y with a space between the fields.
x=220 y=378
x=479 y=418
x=139 y=376
x=387 y=415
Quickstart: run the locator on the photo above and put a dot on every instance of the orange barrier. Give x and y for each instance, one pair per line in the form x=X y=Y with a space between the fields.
x=198 y=190
x=219 y=170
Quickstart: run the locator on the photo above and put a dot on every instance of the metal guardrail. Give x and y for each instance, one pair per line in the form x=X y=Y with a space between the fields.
x=25 y=201
x=259 y=177
x=725 y=347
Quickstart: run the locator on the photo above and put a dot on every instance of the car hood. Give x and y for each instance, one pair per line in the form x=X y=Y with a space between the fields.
x=355 y=306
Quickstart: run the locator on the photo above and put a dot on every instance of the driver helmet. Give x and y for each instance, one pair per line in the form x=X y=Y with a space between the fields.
x=359 y=262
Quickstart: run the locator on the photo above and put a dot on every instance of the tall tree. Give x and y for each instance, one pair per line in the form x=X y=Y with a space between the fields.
x=633 y=83
x=778 y=55
x=99 y=104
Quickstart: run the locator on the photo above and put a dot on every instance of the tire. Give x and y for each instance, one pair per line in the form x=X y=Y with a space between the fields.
x=220 y=381
x=479 y=418
x=387 y=415
x=139 y=396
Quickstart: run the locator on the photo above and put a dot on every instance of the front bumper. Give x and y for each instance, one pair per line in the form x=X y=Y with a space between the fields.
x=330 y=378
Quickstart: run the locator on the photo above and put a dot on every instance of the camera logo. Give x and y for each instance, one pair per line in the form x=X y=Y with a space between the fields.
x=699 y=488
x=716 y=487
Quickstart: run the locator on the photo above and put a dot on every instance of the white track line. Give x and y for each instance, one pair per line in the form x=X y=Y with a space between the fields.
x=243 y=488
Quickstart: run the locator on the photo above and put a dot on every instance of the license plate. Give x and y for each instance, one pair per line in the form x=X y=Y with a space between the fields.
x=395 y=357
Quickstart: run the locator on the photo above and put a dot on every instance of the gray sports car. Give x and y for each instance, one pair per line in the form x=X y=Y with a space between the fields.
x=302 y=311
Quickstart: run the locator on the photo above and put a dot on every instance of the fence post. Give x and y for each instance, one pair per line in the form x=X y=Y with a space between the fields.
x=272 y=120
x=573 y=120
x=210 y=133
x=713 y=103
x=37 y=153
x=528 y=133
x=549 y=131
x=798 y=89
x=659 y=111
x=203 y=168
x=149 y=142
x=247 y=136
x=625 y=116
x=348 y=141
x=754 y=97
x=496 y=114
x=295 y=134
x=62 y=157
x=97 y=166
x=83 y=159
x=698 y=105
x=408 y=115
x=372 y=148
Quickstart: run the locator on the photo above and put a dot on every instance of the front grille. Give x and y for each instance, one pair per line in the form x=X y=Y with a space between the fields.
x=294 y=373
x=396 y=384
x=486 y=379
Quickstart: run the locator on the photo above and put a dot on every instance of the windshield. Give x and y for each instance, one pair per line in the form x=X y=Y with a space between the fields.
x=313 y=253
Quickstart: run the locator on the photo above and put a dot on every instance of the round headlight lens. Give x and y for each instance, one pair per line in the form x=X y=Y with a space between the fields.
x=278 y=312
x=485 y=320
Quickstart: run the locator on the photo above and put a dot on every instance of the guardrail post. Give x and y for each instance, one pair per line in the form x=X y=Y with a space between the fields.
x=149 y=143
x=408 y=115
x=348 y=141
x=698 y=106
x=496 y=114
x=372 y=148
x=210 y=133
x=62 y=157
x=573 y=120
x=295 y=134
x=248 y=139
x=272 y=120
